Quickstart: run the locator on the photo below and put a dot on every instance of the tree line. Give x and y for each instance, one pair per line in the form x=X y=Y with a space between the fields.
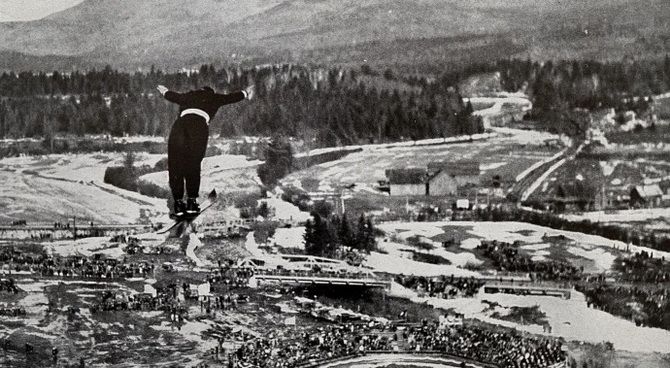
x=325 y=107
x=327 y=236
x=558 y=87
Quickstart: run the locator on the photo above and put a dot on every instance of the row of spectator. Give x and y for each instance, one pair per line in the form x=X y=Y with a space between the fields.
x=75 y=266
x=506 y=257
x=441 y=286
x=503 y=347
x=9 y=286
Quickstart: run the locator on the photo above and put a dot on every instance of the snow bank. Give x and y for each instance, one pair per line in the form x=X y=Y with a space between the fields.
x=600 y=250
x=568 y=318
x=621 y=216
x=529 y=137
x=285 y=211
x=396 y=264
x=85 y=247
x=289 y=237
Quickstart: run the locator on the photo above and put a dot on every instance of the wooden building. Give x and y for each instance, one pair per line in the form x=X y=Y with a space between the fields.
x=445 y=178
x=646 y=196
x=407 y=182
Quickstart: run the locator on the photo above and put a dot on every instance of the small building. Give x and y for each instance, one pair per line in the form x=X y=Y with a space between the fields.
x=646 y=196
x=617 y=198
x=407 y=182
x=447 y=177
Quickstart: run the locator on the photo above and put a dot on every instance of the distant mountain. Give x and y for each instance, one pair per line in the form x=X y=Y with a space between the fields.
x=178 y=33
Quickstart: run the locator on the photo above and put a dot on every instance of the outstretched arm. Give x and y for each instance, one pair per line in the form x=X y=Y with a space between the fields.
x=246 y=93
x=171 y=96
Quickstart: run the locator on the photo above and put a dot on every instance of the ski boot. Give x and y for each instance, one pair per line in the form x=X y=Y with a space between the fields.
x=192 y=207
x=179 y=208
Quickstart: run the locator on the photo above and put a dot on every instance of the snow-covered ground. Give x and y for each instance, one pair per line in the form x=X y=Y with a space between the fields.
x=85 y=247
x=58 y=187
x=289 y=237
x=285 y=211
x=425 y=231
x=497 y=155
x=569 y=318
x=397 y=264
x=621 y=216
x=225 y=173
x=519 y=101
x=599 y=251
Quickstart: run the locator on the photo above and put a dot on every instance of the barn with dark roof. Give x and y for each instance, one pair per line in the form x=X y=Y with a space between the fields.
x=410 y=181
x=445 y=178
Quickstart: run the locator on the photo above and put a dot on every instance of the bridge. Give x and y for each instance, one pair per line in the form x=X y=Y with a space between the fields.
x=550 y=289
x=347 y=280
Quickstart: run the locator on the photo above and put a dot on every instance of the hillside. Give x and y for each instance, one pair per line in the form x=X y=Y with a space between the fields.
x=174 y=33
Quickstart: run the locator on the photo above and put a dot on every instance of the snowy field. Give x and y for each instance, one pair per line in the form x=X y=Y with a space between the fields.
x=571 y=318
x=568 y=318
x=57 y=187
x=499 y=104
x=508 y=155
x=640 y=215
x=225 y=173
x=595 y=253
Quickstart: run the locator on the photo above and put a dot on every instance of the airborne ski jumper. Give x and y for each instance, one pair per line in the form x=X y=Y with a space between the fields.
x=187 y=143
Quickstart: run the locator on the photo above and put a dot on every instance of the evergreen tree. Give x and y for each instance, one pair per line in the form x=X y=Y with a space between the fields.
x=319 y=241
x=370 y=242
x=361 y=236
x=278 y=161
x=345 y=234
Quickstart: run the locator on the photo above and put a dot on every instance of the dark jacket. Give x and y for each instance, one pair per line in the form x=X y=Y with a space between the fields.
x=204 y=100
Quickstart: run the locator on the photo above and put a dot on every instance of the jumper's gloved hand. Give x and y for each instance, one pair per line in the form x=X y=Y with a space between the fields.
x=162 y=89
x=249 y=92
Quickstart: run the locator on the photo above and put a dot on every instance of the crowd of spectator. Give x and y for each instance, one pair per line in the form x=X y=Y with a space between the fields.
x=506 y=257
x=9 y=286
x=231 y=277
x=316 y=271
x=639 y=291
x=441 y=286
x=75 y=266
x=503 y=347
x=646 y=306
x=238 y=277
x=112 y=301
x=643 y=267
x=12 y=311
x=227 y=301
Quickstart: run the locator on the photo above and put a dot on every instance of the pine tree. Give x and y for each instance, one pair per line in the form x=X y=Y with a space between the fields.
x=370 y=242
x=310 y=242
x=344 y=233
x=361 y=237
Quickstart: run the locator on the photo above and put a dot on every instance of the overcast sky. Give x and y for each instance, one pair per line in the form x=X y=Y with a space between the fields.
x=13 y=10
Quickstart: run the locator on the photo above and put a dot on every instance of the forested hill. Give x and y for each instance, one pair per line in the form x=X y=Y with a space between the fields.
x=175 y=33
x=326 y=106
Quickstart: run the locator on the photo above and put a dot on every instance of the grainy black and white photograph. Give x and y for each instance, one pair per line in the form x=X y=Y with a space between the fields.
x=335 y=183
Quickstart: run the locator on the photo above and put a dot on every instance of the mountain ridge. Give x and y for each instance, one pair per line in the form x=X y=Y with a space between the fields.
x=173 y=33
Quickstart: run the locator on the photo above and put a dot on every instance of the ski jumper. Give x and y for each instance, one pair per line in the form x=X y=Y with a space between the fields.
x=187 y=143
